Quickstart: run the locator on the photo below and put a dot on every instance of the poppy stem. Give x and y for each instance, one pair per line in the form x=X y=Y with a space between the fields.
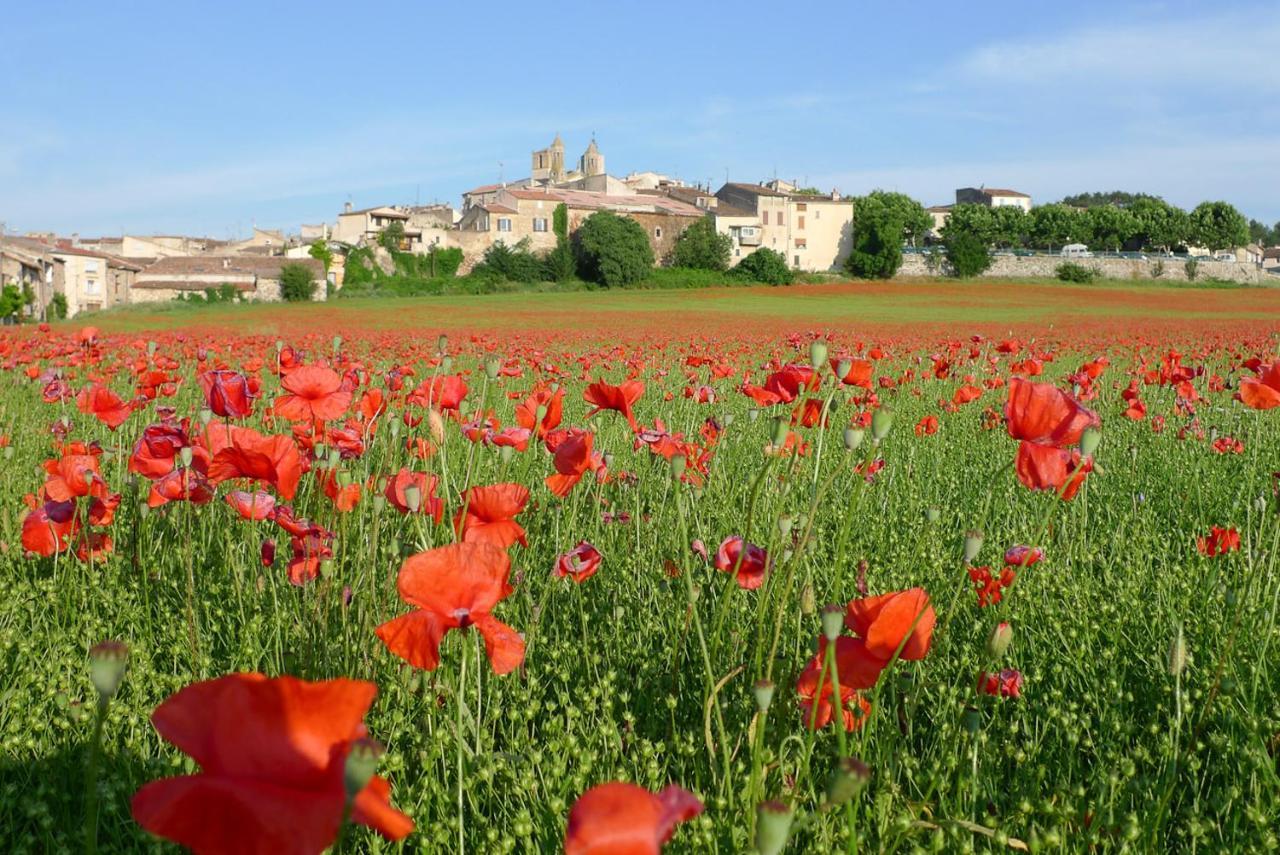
x=91 y=780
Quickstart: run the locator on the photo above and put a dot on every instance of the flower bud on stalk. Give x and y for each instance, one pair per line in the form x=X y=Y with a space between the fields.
x=853 y=438
x=106 y=667
x=362 y=763
x=446 y=364
x=763 y=691
x=847 y=780
x=678 y=464
x=1177 y=653
x=808 y=603
x=185 y=455
x=151 y=348
x=843 y=367
x=817 y=352
x=999 y=640
x=881 y=423
x=773 y=827
x=932 y=515
x=780 y=428
x=491 y=367
x=972 y=720
x=506 y=452
x=442 y=344
x=972 y=545
x=832 y=621
x=413 y=498
x=753 y=414
x=1089 y=441
x=206 y=416
x=337 y=344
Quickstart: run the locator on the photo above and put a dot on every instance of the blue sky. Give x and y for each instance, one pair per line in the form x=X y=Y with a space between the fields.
x=207 y=118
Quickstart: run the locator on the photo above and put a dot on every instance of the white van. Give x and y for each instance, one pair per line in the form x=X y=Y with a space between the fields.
x=1076 y=250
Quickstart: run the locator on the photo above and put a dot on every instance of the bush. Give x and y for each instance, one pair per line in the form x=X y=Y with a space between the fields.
x=701 y=247
x=877 y=241
x=392 y=236
x=297 y=283
x=561 y=266
x=612 y=250
x=1071 y=272
x=511 y=263
x=58 y=306
x=967 y=253
x=1192 y=269
x=765 y=265
x=1157 y=270
x=436 y=262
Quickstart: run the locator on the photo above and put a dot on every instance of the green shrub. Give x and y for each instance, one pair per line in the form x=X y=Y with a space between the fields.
x=701 y=247
x=511 y=263
x=967 y=254
x=392 y=236
x=1069 y=271
x=1192 y=269
x=58 y=306
x=1157 y=270
x=561 y=265
x=765 y=266
x=612 y=250
x=297 y=283
x=877 y=236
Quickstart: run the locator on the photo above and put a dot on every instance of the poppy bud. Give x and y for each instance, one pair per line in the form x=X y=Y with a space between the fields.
x=393 y=425
x=1177 y=653
x=817 y=352
x=972 y=720
x=442 y=344
x=413 y=498
x=678 y=464
x=436 y=422
x=832 y=621
x=972 y=545
x=344 y=478
x=379 y=504
x=321 y=451
x=753 y=414
x=106 y=667
x=362 y=762
x=8 y=452
x=151 y=348
x=506 y=452
x=335 y=457
x=326 y=568
x=337 y=343
x=763 y=691
x=780 y=428
x=932 y=515
x=881 y=422
x=785 y=522
x=540 y=413
x=491 y=367
x=446 y=364
x=847 y=780
x=1089 y=441
x=853 y=438
x=999 y=640
x=773 y=827
x=695 y=591
x=185 y=454
x=268 y=552
x=807 y=601
x=843 y=367
x=144 y=510
x=279 y=346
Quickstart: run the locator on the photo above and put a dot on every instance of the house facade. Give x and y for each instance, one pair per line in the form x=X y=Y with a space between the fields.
x=253 y=277
x=993 y=197
x=813 y=233
x=366 y=226
x=94 y=280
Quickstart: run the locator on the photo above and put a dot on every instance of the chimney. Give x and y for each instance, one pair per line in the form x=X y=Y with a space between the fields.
x=346 y=208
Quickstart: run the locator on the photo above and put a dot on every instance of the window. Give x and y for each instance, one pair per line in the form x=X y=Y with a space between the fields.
x=766 y=217
x=780 y=222
x=748 y=231
x=801 y=206
x=539 y=223
x=817 y=215
x=799 y=222
x=504 y=224
x=800 y=243
x=91 y=286
x=797 y=263
x=657 y=232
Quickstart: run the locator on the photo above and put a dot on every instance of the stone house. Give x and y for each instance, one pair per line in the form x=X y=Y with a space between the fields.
x=812 y=232
x=94 y=280
x=993 y=197
x=28 y=265
x=365 y=226
x=254 y=277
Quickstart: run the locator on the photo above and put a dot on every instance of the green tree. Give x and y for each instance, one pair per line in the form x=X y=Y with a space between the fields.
x=392 y=236
x=877 y=237
x=765 y=266
x=320 y=252
x=1118 y=198
x=1110 y=227
x=1012 y=226
x=701 y=247
x=297 y=283
x=1159 y=225
x=511 y=263
x=978 y=221
x=560 y=262
x=58 y=306
x=613 y=250
x=1218 y=225
x=915 y=220
x=967 y=253
x=1054 y=225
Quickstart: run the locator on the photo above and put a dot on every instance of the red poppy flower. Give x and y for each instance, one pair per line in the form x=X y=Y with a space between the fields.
x=927 y=426
x=180 y=485
x=527 y=411
x=252 y=506
x=885 y=620
x=314 y=392
x=104 y=405
x=454 y=587
x=1020 y=555
x=624 y=819
x=156 y=451
x=272 y=753
x=425 y=482
x=1219 y=541
x=859 y=373
x=605 y=396
x=572 y=458
x=273 y=460
x=1005 y=684
x=746 y=559
x=1048 y=422
x=856 y=669
x=1261 y=392
x=48 y=528
x=488 y=515
x=227 y=393
x=579 y=563
x=440 y=393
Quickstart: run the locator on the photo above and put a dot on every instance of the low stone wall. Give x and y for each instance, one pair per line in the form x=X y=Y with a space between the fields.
x=1039 y=266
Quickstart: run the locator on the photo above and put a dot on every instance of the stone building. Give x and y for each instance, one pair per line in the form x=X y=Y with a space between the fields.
x=813 y=232
x=993 y=197
x=254 y=277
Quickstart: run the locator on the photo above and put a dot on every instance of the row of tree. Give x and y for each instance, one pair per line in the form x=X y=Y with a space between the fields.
x=883 y=222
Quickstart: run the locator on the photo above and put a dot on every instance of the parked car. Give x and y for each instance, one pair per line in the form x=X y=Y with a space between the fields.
x=1225 y=256
x=1076 y=250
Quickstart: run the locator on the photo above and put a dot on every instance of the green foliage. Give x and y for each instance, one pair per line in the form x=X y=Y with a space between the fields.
x=765 y=266
x=561 y=265
x=12 y=301
x=1192 y=269
x=511 y=263
x=320 y=252
x=1118 y=198
x=224 y=293
x=1263 y=236
x=392 y=236
x=1109 y=227
x=977 y=221
x=701 y=247
x=612 y=250
x=434 y=263
x=1056 y=225
x=1071 y=272
x=58 y=306
x=877 y=235
x=1157 y=270
x=1218 y=225
x=967 y=253
x=1158 y=225
x=296 y=283
x=1012 y=226
x=884 y=204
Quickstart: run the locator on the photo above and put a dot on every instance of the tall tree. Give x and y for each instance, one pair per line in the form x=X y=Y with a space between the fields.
x=877 y=235
x=1055 y=225
x=701 y=247
x=1218 y=225
x=1110 y=227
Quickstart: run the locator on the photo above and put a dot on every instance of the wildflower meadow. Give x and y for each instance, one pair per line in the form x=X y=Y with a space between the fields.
x=607 y=587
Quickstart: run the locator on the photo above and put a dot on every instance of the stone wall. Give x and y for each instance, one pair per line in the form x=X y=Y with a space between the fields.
x=1042 y=266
